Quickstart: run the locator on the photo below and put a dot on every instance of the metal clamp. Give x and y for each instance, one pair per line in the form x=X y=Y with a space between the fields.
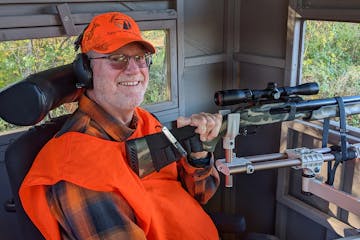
x=225 y=167
x=310 y=159
x=233 y=123
x=356 y=148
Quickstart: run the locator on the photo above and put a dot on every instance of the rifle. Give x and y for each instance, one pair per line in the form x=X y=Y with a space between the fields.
x=273 y=104
x=260 y=107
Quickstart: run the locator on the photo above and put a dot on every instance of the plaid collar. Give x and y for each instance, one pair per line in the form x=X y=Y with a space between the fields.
x=114 y=128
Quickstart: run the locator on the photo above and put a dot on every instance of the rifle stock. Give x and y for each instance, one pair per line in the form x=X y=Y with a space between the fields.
x=307 y=110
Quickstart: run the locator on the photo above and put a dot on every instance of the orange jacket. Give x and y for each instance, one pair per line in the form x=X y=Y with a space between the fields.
x=164 y=210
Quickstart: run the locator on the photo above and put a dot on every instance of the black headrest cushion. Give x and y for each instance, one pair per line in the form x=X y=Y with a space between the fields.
x=27 y=102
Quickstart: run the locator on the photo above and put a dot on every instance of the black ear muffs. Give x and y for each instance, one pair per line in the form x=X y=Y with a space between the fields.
x=83 y=71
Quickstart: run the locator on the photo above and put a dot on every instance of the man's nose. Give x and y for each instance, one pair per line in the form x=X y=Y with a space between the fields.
x=132 y=66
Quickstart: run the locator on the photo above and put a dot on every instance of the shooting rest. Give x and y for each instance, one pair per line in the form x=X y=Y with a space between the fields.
x=309 y=160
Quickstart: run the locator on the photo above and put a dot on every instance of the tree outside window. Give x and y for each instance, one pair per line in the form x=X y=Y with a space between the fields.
x=331 y=57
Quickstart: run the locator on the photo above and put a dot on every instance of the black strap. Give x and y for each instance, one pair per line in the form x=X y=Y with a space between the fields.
x=292 y=112
x=343 y=142
x=325 y=139
x=160 y=150
x=325 y=133
x=342 y=129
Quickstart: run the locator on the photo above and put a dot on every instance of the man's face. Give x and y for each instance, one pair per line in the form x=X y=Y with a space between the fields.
x=119 y=90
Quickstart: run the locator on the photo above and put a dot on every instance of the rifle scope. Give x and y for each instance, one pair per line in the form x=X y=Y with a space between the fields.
x=272 y=92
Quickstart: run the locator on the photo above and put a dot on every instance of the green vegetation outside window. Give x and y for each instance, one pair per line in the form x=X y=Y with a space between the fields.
x=331 y=57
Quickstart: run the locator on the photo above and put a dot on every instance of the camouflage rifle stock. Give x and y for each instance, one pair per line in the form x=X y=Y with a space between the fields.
x=278 y=105
x=306 y=110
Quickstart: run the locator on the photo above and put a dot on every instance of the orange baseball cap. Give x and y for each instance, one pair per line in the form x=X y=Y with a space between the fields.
x=110 y=31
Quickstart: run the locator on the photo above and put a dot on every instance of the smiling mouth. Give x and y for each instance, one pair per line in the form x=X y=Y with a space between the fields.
x=129 y=84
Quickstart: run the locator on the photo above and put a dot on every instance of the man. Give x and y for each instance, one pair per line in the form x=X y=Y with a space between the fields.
x=81 y=185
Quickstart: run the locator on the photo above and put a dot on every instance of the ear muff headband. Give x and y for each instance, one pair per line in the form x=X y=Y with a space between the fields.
x=81 y=65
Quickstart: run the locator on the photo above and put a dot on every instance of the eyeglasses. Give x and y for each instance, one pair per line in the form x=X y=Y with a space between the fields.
x=121 y=61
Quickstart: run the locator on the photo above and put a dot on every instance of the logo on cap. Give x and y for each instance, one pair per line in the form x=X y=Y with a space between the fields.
x=121 y=23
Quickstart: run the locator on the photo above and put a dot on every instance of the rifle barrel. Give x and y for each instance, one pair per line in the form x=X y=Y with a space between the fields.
x=314 y=104
x=310 y=105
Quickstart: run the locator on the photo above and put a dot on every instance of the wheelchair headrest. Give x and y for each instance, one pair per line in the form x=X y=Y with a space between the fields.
x=27 y=102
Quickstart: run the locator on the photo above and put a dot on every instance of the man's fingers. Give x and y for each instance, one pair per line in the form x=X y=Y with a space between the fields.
x=207 y=125
x=182 y=122
x=214 y=132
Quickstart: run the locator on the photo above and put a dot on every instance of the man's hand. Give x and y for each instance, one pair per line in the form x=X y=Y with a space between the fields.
x=207 y=126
